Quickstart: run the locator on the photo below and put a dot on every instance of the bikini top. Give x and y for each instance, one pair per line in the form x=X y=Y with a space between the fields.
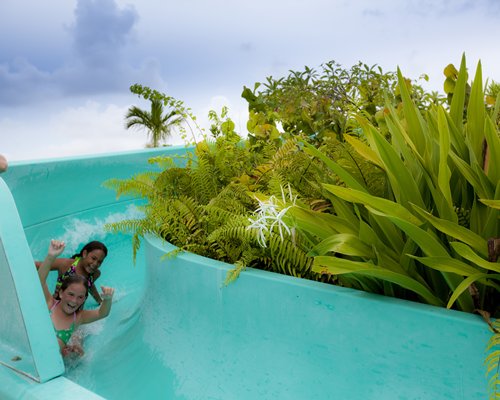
x=72 y=271
x=64 y=334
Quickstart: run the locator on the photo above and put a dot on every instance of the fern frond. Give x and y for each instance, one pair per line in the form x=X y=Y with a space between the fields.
x=284 y=153
x=174 y=182
x=289 y=257
x=234 y=273
x=126 y=226
x=140 y=185
x=247 y=258
x=204 y=181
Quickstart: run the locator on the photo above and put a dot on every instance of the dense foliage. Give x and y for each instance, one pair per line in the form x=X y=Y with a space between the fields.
x=325 y=103
x=352 y=177
x=426 y=167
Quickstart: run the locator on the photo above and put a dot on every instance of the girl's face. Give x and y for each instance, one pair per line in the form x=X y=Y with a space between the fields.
x=73 y=297
x=92 y=260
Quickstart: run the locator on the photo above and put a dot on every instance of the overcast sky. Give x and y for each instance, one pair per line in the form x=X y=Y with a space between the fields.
x=66 y=65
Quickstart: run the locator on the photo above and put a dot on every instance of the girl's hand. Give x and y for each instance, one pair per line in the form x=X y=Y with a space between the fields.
x=56 y=247
x=107 y=292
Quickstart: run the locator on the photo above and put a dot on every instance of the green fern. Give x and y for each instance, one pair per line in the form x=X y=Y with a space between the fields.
x=141 y=185
x=205 y=206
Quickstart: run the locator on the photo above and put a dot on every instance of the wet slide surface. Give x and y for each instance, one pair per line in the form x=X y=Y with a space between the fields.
x=176 y=332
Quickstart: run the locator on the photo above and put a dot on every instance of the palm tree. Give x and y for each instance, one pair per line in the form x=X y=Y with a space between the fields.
x=155 y=122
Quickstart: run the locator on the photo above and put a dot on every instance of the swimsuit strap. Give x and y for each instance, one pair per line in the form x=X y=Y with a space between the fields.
x=90 y=280
x=54 y=305
x=70 y=271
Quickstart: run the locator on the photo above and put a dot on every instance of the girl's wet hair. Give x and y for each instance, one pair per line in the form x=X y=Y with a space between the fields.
x=78 y=279
x=91 y=246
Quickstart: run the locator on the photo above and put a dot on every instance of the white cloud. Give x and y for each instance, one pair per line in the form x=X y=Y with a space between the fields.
x=87 y=129
x=64 y=77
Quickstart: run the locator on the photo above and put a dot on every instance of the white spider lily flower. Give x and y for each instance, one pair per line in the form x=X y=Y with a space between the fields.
x=269 y=215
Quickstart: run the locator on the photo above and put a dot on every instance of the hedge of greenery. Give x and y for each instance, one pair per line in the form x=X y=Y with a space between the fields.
x=353 y=177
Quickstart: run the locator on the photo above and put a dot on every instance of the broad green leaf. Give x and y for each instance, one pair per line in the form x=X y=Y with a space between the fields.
x=432 y=247
x=424 y=239
x=471 y=176
x=402 y=182
x=458 y=100
x=493 y=154
x=348 y=179
x=447 y=264
x=386 y=232
x=466 y=252
x=343 y=209
x=321 y=225
x=385 y=206
x=384 y=258
x=491 y=203
x=364 y=150
x=464 y=285
x=343 y=243
x=444 y=173
x=444 y=208
x=457 y=137
x=412 y=115
x=400 y=137
x=476 y=114
x=456 y=231
x=338 y=266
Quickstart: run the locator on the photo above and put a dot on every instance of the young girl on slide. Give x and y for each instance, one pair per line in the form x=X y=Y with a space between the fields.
x=86 y=263
x=66 y=311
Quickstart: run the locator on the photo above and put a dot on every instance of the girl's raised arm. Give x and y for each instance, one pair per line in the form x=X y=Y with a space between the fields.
x=56 y=247
x=88 y=316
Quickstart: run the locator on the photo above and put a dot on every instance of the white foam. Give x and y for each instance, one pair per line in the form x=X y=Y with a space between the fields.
x=78 y=232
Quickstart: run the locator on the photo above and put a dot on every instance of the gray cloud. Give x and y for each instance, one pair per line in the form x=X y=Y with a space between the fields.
x=22 y=82
x=101 y=31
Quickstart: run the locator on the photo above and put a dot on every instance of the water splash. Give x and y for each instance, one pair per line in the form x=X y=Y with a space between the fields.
x=78 y=232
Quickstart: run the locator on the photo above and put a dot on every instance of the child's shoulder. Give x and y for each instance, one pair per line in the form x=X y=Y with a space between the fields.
x=63 y=264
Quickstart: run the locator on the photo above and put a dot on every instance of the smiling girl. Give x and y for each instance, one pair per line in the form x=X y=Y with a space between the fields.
x=86 y=263
x=66 y=311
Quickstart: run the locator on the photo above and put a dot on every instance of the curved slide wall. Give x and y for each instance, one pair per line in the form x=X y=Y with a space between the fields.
x=58 y=198
x=176 y=332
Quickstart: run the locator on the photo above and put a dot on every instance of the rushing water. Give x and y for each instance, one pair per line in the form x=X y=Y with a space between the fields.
x=176 y=332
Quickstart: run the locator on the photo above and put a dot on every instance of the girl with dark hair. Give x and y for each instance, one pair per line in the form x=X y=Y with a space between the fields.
x=66 y=311
x=86 y=263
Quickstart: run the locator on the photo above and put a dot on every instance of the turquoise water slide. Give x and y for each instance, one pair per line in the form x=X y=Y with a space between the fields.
x=177 y=332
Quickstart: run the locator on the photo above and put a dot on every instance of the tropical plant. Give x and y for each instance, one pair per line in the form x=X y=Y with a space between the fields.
x=324 y=103
x=204 y=206
x=158 y=121
x=404 y=208
x=406 y=204
x=430 y=235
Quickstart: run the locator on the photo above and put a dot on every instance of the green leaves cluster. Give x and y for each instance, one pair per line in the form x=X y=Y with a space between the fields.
x=353 y=177
x=411 y=239
x=405 y=208
x=320 y=104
